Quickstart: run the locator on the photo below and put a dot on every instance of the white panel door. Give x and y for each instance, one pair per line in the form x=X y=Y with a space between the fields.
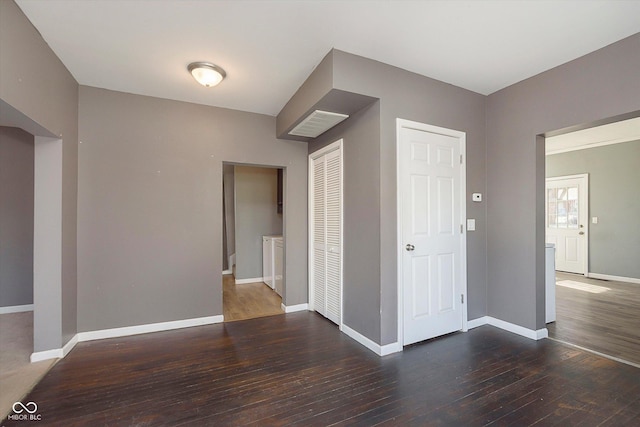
x=333 y=220
x=326 y=232
x=318 y=237
x=566 y=221
x=430 y=191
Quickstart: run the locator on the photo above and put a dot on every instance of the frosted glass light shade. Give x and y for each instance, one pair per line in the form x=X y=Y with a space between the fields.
x=206 y=74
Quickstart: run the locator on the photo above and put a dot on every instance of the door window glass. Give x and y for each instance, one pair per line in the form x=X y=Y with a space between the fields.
x=562 y=207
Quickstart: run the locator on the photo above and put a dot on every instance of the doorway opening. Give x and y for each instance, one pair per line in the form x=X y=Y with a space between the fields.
x=590 y=205
x=253 y=242
x=17 y=200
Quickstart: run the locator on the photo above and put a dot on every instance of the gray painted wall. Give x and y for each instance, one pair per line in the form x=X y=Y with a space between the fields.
x=256 y=192
x=361 y=241
x=600 y=85
x=150 y=206
x=230 y=213
x=16 y=217
x=413 y=97
x=43 y=96
x=372 y=168
x=614 y=177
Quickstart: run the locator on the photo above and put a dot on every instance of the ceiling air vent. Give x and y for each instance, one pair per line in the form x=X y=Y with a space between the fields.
x=317 y=123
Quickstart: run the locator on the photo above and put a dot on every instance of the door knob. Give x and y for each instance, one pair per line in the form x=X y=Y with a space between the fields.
x=409 y=247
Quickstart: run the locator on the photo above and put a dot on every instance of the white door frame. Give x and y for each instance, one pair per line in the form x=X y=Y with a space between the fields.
x=584 y=176
x=461 y=136
x=337 y=145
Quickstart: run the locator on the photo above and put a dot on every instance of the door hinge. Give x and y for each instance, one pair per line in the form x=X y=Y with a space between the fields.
x=461 y=229
x=462 y=298
x=460 y=158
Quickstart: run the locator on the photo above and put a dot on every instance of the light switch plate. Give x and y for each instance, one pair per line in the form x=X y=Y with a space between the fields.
x=471 y=224
x=476 y=197
x=594 y=220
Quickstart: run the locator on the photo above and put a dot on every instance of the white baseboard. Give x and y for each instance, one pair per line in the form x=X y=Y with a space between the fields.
x=507 y=326
x=16 y=309
x=38 y=356
x=477 y=322
x=294 y=308
x=380 y=350
x=394 y=347
x=59 y=353
x=69 y=346
x=614 y=278
x=253 y=280
x=227 y=272
x=145 y=329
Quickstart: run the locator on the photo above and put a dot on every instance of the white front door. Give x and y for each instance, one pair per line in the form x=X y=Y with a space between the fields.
x=433 y=273
x=566 y=221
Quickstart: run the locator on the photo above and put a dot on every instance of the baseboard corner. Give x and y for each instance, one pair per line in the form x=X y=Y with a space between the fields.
x=517 y=329
x=476 y=323
x=294 y=308
x=380 y=350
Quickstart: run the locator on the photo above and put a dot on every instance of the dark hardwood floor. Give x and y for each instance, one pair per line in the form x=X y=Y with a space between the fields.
x=603 y=316
x=298 y=369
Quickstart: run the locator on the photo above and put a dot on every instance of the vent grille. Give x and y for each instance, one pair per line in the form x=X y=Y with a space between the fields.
x=317 y=123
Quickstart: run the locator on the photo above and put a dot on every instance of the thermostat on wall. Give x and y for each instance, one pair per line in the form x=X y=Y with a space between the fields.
x=477 y=197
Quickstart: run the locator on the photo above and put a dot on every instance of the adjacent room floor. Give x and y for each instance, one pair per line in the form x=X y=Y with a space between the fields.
x=17 y=374
x=298 y=369
x=600 y=315
x=248 y=300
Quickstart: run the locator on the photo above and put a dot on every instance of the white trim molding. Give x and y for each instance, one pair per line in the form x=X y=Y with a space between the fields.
x=39 y=356
x=225 y=272
x=16 y=309
x=294 y=308
x=614 y=278
x=480 y=321
x=59 y=353
x=252 y=280
x=510 y=327
x=145 y=329
x=380 y=350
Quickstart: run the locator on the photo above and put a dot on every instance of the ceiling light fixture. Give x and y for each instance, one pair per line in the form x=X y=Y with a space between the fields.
x=207 y=74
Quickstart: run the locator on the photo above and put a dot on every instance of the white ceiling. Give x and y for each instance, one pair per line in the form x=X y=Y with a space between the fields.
x=613 y=133
x=269 y=48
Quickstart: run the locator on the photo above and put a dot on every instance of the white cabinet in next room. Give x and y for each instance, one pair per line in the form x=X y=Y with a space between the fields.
x=278 y=264
x=268 y=260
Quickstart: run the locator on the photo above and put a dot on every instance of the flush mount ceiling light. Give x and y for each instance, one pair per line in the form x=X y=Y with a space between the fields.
x=207 y=74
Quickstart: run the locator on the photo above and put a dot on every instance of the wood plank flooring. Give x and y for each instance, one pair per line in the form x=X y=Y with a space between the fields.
x=607 y=320
x=17 y=374
x=298 y=369
x=249 y=300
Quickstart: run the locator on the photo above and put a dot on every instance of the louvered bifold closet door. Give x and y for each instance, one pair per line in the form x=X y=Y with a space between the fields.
x=333 y=232
x=326 y=285
x=319 y=236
